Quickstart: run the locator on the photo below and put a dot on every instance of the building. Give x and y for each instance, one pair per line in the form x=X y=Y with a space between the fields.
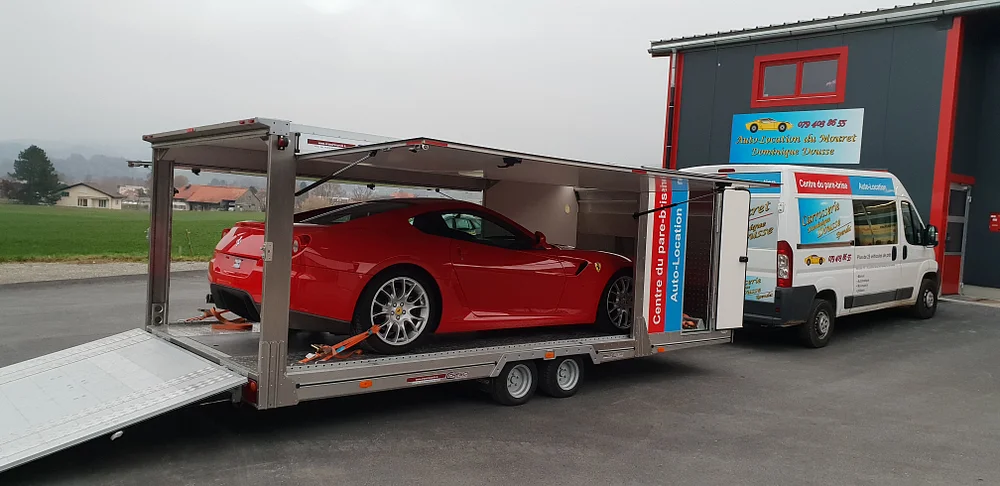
x=912 y=90
x=84 y=195
x=193 y=197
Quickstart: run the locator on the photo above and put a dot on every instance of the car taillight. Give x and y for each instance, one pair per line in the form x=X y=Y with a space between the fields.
x=300 y=243
x=784 y=264
x=224 y=232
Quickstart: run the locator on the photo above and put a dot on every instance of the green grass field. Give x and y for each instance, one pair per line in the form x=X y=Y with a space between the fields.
x=50 y=234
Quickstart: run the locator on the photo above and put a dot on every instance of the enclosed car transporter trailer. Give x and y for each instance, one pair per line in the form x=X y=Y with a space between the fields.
x=686 y=233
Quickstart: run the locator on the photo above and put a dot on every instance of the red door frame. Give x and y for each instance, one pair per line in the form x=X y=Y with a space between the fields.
x=673 y=123
x=943 y=176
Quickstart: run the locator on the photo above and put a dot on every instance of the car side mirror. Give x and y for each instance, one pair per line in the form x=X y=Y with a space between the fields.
x=931 y=236
x=540 y=241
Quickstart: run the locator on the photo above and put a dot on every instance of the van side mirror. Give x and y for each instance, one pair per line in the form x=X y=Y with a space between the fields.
x=931 y=236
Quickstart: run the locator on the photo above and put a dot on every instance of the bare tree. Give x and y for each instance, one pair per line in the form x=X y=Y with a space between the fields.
x=361 y=193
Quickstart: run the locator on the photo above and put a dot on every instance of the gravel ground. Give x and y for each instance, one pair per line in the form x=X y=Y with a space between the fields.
x=11 y=273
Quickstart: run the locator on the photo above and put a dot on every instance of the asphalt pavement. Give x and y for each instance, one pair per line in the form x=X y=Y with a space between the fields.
x=890 y=401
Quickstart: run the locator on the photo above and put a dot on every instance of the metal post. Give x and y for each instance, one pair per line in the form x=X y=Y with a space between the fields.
x=160 y=216
x=640 y=329
x=277 y=252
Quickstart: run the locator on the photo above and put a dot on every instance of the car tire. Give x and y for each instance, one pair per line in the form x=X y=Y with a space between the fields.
x=561 y=377
x=926 y=305
x=818 y=329
x=390 y=338
x=754 y=128
x=515 y=384
x=611 y=320
x=782 y=127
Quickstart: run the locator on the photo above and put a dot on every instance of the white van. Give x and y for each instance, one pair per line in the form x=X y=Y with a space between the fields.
x=832 y=242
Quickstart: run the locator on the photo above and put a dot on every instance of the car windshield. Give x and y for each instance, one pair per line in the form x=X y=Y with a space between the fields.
x=352 y=211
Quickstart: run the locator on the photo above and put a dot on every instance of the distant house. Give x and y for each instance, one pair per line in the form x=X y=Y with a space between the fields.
x=194 y=197
x=83 y=195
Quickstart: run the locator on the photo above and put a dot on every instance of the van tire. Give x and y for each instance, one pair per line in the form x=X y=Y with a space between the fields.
x=821 y=317
x=927 y=300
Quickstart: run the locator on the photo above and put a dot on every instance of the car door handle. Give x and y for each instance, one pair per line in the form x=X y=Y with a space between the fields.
x=904 y=252
x=744 y=259
x=894 y=253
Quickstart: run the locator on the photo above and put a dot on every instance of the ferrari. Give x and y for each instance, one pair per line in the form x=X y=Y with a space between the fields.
x=419 y=266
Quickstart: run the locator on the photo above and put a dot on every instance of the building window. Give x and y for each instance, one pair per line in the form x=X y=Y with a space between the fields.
x=64 y=194
x=81 y=201
x=102 y=203
x=799 y=78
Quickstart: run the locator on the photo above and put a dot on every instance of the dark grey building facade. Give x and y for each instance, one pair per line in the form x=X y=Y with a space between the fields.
x=927 y=77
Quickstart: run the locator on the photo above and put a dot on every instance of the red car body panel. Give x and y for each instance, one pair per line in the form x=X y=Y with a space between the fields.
x=481 y=287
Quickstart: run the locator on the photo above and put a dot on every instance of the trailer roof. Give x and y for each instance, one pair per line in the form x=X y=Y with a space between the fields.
x=424 y=162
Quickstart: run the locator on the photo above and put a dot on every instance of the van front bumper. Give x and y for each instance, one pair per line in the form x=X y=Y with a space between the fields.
x=791 y=307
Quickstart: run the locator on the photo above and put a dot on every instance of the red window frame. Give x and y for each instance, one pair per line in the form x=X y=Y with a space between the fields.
x=757 y=99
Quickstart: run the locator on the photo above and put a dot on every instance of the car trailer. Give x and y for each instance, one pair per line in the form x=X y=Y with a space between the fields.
x=686 y=234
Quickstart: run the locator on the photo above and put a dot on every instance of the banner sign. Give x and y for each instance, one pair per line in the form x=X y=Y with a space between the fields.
x=844 y=185
x=669 y=244
x=826 y=221
x=797 y=137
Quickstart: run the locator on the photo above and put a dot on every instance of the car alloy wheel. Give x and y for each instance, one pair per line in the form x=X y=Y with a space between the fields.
x=401 y=308
x=619 y=302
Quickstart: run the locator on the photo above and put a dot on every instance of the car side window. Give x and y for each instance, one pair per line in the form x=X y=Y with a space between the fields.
x=912 y=227
x=484 y=229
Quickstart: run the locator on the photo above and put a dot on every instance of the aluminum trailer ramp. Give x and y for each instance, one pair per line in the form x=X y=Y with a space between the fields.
x=62 y=399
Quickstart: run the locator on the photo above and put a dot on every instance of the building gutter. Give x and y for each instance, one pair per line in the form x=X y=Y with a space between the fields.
x=869 y=19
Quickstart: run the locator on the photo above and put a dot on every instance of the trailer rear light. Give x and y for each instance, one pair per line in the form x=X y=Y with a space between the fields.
x=784 y=264
x=250 y=392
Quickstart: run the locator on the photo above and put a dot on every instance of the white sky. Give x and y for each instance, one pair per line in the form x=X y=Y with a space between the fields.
x=567 y=78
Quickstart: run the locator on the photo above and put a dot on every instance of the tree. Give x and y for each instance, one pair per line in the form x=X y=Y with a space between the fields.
x=180 y=181
x=361 y=193
x=37 y=176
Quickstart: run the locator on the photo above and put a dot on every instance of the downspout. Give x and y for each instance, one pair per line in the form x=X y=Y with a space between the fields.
x=668 y=141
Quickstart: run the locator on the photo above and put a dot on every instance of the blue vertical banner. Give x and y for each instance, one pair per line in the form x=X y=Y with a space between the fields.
x=676 y=221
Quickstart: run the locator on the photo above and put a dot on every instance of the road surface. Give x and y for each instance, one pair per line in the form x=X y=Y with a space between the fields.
x=890 y=401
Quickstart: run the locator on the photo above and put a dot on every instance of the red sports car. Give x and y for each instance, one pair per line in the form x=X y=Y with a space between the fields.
x=419 y=266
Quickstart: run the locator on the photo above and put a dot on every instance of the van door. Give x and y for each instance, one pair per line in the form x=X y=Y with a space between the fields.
x=876 y=254
x=915 y=250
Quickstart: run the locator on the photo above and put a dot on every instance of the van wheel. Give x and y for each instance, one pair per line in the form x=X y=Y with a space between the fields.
x=927 y=300
x=816 y=332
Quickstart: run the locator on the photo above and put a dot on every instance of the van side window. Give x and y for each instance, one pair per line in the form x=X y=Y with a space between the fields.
x=912 y=227
x=875 y=222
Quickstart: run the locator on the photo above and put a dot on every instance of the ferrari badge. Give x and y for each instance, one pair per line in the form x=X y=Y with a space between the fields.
x=597 y=266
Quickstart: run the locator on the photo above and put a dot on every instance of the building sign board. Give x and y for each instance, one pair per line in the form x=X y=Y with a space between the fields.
x=797 y=137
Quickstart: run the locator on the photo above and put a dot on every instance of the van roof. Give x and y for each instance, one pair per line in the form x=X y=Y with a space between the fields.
x=786 y=169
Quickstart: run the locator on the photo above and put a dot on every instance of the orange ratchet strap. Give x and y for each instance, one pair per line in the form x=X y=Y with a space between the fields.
x=325 y=352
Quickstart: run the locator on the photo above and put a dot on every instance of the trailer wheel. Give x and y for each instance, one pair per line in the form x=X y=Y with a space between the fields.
x=561 y=377
x=515 y=384
x=817 y=330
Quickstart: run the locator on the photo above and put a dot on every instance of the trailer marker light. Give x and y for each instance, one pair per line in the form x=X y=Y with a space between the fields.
x=660 y=349
x=365 y=383
x=726 y=170
x=550 y=355
x=250 y=392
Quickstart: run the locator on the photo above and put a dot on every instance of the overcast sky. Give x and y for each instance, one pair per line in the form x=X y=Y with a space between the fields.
x=567 y=78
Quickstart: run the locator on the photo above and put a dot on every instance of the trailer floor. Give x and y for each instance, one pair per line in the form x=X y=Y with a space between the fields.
x=240 y=347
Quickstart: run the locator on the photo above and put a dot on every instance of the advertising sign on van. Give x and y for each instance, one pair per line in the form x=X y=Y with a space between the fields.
x=826 y=221
x=797 y=137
